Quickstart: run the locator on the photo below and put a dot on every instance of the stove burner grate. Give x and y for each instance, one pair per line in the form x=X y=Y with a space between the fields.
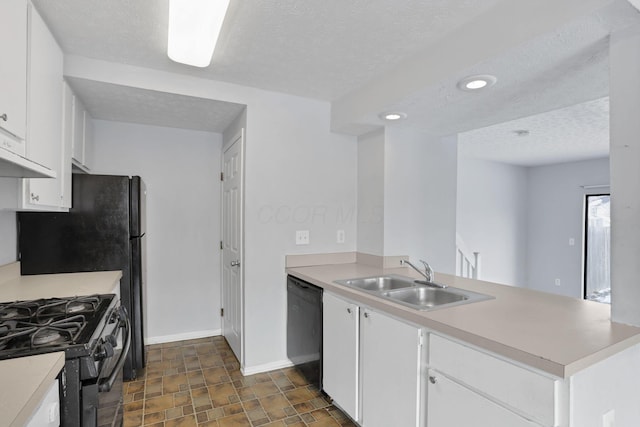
x=18 y=310
x=68 y=306
x=53 y=324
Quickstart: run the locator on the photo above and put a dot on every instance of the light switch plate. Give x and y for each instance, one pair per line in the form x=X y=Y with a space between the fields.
x=302 y=237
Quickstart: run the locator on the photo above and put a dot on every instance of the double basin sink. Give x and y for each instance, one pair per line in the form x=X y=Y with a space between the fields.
x=416 y=294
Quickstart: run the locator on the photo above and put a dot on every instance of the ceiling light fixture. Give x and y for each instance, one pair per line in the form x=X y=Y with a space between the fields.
x=194 y=28
x=477 y=82
x=393 y=116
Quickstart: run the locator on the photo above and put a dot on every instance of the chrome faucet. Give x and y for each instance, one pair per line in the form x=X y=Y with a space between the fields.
x=428 y=273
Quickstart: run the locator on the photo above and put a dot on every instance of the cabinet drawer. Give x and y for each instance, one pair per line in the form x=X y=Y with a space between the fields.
x=12 y=144
x=529 y=393
x=447 y=397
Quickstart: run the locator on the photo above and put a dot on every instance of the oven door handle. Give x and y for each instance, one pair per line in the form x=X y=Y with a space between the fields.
x=106 y=384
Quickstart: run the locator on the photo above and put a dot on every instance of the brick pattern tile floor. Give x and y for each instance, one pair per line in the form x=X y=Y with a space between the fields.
x=198 y=383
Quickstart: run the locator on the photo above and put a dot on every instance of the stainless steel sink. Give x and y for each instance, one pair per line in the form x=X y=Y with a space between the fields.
x=424 y=297
x=379 y=283
x=414 y=293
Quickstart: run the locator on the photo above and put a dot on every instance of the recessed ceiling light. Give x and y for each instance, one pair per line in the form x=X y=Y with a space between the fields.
x=477 y=82
x=393 y=116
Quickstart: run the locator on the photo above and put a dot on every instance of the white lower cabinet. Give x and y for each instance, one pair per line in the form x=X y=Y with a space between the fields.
x=390 y=371
x=340 y=324
x=371 y=364
x=48 y=412
x=453 y=405
x=501 y=392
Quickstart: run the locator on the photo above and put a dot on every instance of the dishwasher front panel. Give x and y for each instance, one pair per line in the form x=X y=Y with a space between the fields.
x=304 y=328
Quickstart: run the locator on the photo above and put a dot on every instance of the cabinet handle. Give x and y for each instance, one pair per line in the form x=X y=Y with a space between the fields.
x=349 y=310
x=366 y=314
x=432 y=379
x=4 y=117
x=235 y=263
x=35 y=197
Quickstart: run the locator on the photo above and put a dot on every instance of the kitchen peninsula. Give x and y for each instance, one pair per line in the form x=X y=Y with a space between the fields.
x=562 y=351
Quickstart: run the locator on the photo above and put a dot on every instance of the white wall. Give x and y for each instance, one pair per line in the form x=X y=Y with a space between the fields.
x=492 y=217
x=8 y=252
x=556 y=214
x=420 y=197
x=8 y=230
x=624 y=66
x=371 y=193
x=181 y=169
x=298 y=176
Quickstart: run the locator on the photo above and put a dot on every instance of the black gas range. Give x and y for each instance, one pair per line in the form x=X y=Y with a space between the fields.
x=94 y=333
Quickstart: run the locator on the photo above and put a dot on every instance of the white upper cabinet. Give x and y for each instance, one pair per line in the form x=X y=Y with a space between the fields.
x=14 y=161
x=44 y=118
x=82 y=136
x=13 y=67
x=67 y=142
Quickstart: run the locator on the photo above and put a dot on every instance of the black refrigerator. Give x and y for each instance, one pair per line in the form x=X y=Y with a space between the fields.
x=104 y=230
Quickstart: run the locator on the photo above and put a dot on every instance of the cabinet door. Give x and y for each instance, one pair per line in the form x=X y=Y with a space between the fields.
x=67 y=143
x=44 y=134
x=78 y=131
x=87 y=159
x=340 y=353
x=450 y=404
x=13 y=67
x=390 y=369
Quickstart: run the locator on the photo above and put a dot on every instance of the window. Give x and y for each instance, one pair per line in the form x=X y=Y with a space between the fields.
x=597 y=265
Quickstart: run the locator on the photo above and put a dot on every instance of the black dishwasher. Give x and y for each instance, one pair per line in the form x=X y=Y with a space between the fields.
x=304 y=328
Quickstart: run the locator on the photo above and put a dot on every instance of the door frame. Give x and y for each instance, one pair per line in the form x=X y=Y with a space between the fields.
x=240 y=138
x=585 y=234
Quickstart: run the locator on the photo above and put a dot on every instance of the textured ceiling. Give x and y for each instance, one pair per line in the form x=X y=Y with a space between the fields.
x=573 y=133
x=318 y=49
x=125 y=104
x=326 y=49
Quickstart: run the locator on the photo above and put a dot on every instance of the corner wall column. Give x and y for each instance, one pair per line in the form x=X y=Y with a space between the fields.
x=625 y=177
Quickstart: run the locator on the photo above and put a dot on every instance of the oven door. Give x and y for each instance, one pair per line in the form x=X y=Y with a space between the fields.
x=103 y=399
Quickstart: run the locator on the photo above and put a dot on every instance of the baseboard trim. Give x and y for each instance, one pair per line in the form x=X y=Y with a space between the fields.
x=258 y=369
x=184 y=336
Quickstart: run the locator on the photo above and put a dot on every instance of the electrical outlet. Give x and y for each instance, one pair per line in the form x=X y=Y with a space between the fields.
x=302 y=237
x=609 y=419
x=557 y=282
x=340 y=236
x=572 y=241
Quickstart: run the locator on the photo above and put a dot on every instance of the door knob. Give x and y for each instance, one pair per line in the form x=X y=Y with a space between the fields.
x=235 y=263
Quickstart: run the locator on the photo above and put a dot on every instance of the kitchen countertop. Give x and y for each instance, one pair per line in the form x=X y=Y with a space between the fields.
x=32 y=376
x=29 y=379
x=555 y=334
x=14 y=287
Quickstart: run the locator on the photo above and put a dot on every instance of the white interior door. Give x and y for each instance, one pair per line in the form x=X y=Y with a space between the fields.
x=232 y=242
